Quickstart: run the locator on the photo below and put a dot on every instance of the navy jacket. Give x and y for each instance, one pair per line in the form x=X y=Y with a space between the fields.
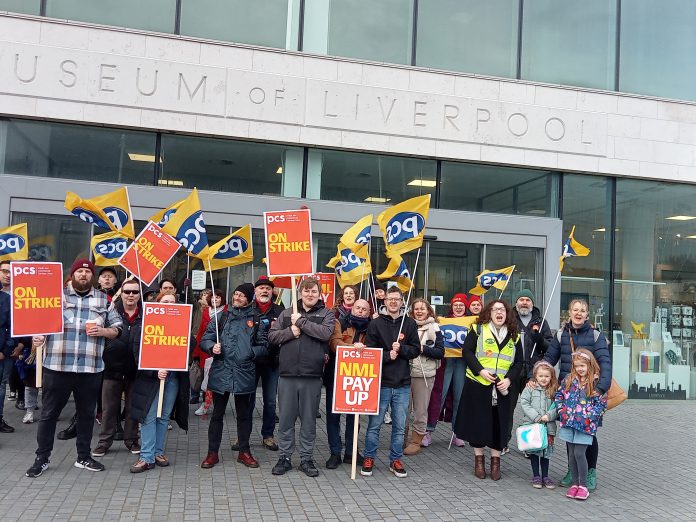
x=583 y=337
x=6 y=342
x=537 y=342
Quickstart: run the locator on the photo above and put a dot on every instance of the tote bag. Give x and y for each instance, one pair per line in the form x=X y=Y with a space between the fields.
x=532 y=437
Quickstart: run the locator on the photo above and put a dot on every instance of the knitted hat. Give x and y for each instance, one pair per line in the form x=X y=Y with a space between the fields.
x=81 y=263
x=263 y=280
x=474 y=298
x=247 y=289
x=525 y=293
x=459 y=298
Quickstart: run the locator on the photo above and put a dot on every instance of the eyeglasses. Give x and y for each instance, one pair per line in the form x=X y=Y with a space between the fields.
x=130 y=292
x=394 y=299
x=498 y=309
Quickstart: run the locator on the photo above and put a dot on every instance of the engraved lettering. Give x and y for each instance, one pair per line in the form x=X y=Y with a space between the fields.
x=72 y=80
x=357 y=100
x=278 y=96
x=33 y=74
x=140 y=90
x=416 y=113
x=192 y=95
x=326 y=102
x=555 y=132
x=450 y=117
x=103 y=86
x=391 y=108
x=582 y=134
x=482 y=116
x=517 y=124
x=257 y=95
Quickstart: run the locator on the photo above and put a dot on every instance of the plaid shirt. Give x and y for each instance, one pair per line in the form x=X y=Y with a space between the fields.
x=74 y=350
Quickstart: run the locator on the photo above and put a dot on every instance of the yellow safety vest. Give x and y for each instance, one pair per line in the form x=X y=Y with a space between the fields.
x=494 y=360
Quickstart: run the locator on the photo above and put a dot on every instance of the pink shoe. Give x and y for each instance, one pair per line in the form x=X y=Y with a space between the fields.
x=427 y=439
x=582 y=493
x=572 y=491
x=458 y=442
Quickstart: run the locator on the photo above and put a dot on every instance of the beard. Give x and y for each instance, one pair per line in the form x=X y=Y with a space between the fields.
x=81 y=287
x=524 y=312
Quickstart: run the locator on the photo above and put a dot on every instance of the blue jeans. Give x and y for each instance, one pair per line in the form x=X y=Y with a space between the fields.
x=398 y=399
x=268 y=374
x=455 y=374
x=333 y=426
x=6 y=366
x=153 y=430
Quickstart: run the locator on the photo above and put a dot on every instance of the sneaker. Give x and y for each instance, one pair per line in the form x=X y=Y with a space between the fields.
x=548 y=483
x=40 y=465
x=12 y=396
x=572 y=491
x=348 y=459
x=567 y=480
x=387 y=417
x=202 y=410
x=270 y=444
x=141 y=466
x=210 y=460
x=427 y=439
x=582 y=493
x=282 y=466
x=20 y=405
x=537 y=483
x=397 y=468
x=90 y=464
x=4 y=427
x=170 y=427
x=133 y=447
x=504 y=451
x=458 y=442
x=591 y=479
x=333 y=462
x=308 y=468
x=248 y=460
x=318 y=414
x=161 y=461
x=100 y=451
x=28 y=417
x=235 y=446
x=368 y=464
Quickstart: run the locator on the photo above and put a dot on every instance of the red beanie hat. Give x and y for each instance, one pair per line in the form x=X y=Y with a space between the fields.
x=81 y=263
x=459 y=298
x=474 y=298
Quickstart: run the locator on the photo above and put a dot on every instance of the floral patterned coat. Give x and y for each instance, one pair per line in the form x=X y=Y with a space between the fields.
x=578 y=411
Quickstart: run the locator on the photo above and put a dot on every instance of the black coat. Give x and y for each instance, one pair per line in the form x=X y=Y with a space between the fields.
x=6 y=342
x=536 y=338
x=271 y=359
x=381 y=333
x=119 y=362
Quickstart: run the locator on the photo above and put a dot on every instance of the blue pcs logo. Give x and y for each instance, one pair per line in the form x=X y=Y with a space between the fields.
x=192 y=233
x=404 y=226
x=117 y=216
x=364 y=236
x=349 y=261
x=111 y=248
x=454 y=335
x=234 y=247
x=11 y=244
x=90 y=217
x=488 y=279
x=166 y=217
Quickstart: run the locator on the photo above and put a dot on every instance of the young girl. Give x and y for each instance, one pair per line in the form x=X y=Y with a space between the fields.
x=538 y=406
x=580 y=409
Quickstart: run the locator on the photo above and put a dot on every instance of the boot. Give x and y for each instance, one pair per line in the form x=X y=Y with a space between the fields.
x=71 y=431
x=480 y=466
x=495 y=468
x=414 y=447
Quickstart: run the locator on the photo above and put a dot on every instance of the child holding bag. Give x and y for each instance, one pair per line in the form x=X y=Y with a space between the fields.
x=538 y=406
x=580 y=410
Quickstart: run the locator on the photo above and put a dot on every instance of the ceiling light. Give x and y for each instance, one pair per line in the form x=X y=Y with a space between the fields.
x=537 y=212
x=170 y=182
x=690 y=237
x=375 y=199
x=147 y=158
x=681 y=218
x=599 y=230
x=280 y=170
x=422 y=183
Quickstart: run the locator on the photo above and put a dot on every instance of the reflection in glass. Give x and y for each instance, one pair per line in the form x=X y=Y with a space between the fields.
x=528 y=272
x=21 y=6
x=153 y=15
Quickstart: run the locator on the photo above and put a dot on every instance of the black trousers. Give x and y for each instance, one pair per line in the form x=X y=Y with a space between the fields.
x=244 y=409
x=57 y=387
x=16 y=384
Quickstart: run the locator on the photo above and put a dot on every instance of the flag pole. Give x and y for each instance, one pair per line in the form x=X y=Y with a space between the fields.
x=188 y=276
x=507 y=282
x=546 y=308
x=408 y=298
x=212 y=300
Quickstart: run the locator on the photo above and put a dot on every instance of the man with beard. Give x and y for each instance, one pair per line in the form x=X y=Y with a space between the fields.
x=74 y=364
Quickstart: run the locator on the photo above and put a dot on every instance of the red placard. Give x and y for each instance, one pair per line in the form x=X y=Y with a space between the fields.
x=289 y=249
x=164 y=343
x=37 y=298
x=149 y=253
x=358 y=376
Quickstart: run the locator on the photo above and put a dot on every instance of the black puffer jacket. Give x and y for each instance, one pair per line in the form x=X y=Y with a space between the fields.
x=270 y=359
x=119 y=362
x=381 y=333
x=536 y=338
x=304 y=356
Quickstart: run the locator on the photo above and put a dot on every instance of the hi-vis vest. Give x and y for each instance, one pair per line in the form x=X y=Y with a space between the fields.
x=494 y=360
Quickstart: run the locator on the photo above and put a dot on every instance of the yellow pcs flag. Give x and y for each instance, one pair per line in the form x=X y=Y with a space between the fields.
x=572 y=249
x=108 y=248
x=14 y=243
x=358 y=237
x=109 y=211
x=350 y=268
x=187 y=226
x=398 y=271
x=403 y=225
x=235 y=249
x=492 y=278
x=454 y=331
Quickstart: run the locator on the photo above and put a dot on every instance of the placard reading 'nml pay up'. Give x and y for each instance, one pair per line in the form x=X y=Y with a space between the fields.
x=357 y=380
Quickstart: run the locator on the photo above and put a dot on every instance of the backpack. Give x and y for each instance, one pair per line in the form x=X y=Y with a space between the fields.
x=595 y=334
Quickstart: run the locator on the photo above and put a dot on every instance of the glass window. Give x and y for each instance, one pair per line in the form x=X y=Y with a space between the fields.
x=21 y=6
x=55 y=238
x=271 y=23
x=153 y=15
x=528 y=270
x=569 y=43
x=58 y=150
x=504 y=190
x=231 y=166
x=655 y=292
x=380 y=31
x=371 y=178
x=469 y=36
x=452 y=269
x=587 y=206
x=658 y=44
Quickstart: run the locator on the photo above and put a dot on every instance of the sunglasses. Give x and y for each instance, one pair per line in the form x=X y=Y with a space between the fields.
x=130 y=292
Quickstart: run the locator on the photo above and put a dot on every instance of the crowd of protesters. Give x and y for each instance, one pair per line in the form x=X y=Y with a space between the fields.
x=508 y=356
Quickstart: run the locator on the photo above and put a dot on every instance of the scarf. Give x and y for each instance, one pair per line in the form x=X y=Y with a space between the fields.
x=360 y=325
x=498 y=334
x=264 y=307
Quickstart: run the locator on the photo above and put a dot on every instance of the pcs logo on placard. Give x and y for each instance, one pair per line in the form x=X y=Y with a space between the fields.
x=192 y=233
x=234 y=247
x=117 y=216
x=404 y=226
x=454 y=335
x=111 y=248
x=11 y=244
x=487 y=280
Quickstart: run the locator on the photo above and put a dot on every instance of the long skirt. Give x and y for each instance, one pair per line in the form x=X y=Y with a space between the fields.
x=479 y=422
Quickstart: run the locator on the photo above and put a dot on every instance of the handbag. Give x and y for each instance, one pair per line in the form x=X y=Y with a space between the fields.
x=195 y=376
x=532 y=437
x=616 y=395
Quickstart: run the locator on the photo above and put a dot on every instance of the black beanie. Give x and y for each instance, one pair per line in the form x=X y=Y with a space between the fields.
x=247 y=289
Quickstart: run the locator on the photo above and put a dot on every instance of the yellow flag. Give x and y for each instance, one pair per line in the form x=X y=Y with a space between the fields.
x=454 y=331
x=398 y=271
x=572 y=248
x=492 y=278
x=235 y=249
x=110 y=211
x=403 y=225
x=108 y=248
x=186 y=224
x=358 y=237
x=14 y=243
x=350 y=268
